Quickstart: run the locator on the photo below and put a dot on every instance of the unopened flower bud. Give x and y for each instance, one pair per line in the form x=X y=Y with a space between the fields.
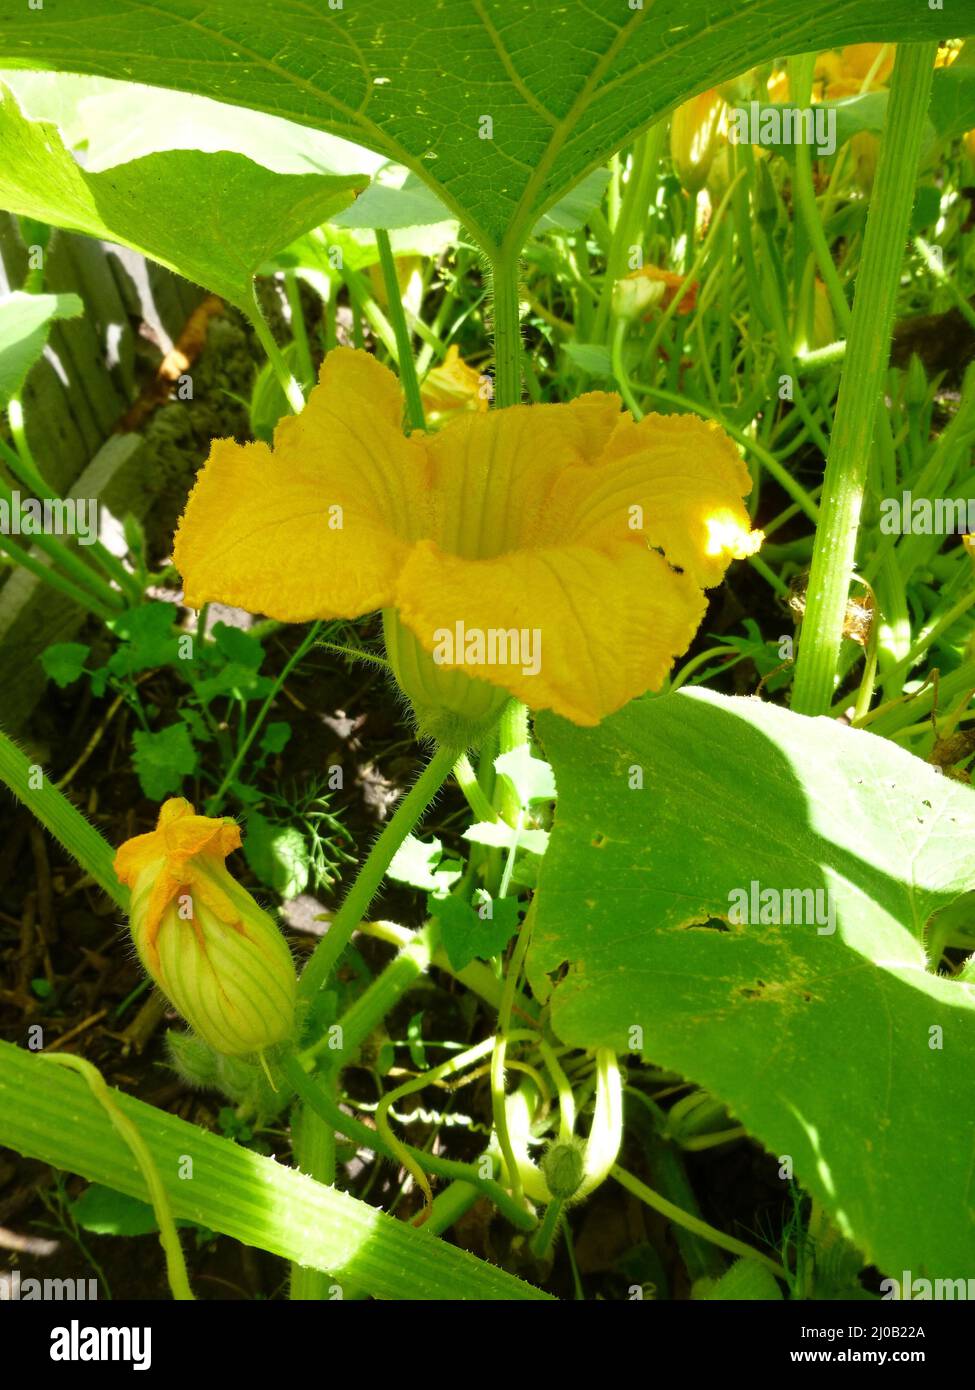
x=213 y=952
x=564 y=1167
x=649 y=288
x=696 y=129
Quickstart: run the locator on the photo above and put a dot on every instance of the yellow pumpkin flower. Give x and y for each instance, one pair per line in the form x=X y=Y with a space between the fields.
x=452 y=387
x=697 y=128
x=557 y=553
x=209 y=947
x=859 y=67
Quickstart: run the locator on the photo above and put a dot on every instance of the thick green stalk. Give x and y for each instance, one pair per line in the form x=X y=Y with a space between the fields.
x=507 y=330
x=868 y=349
x=314 y=1151
x=404 y=346
x=371 y=875
x=168 y=1235
x=30 y=784
x=242 y=1194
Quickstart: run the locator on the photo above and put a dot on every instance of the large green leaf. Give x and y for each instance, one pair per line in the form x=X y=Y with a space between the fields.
x=564 y=84
x=116 y=122
x=25 y=320
x=821 y=1044
x=211 y=217
x=52 y=1115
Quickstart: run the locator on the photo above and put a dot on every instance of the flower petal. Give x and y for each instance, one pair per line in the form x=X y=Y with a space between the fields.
x=318 y=528
x=669 y=479
x=492 y=474
x=601 y=626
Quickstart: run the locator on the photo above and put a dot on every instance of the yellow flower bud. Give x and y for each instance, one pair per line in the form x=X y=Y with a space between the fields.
x=214 y=953
x=649 y=287
x=696 y=129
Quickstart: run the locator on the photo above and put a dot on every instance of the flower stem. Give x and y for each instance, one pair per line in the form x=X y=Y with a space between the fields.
x=371 y=875
x=693 y=1223
x=314 y=1151
x=292 y=391
x=319 y=1099
x=404 y=346
x=868 y=349
x=214 y=803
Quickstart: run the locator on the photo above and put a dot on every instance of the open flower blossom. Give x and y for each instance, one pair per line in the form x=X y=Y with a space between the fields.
x=209 y=947
x=557 y=553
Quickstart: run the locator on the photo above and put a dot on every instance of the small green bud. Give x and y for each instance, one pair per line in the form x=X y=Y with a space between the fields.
x=213 y=952
x=563 y=1167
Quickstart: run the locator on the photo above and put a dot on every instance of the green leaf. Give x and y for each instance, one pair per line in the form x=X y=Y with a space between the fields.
x=25 y=320
x=275 y=737
x=395 y=199
x=106 y=1212
x=821 y=1044
x=116 y=122
x=565 y=85
x=278 y=855
x=64 y=662
x=147 y=639
x=590 y=357
x=237 y=645
x=467 y=934
x=574 y=210
x=163 y=759
x=253 y=1199
x=499 y=835
x=531 y=777
x=236 y=679
x=419 y=865
x=211 y=217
